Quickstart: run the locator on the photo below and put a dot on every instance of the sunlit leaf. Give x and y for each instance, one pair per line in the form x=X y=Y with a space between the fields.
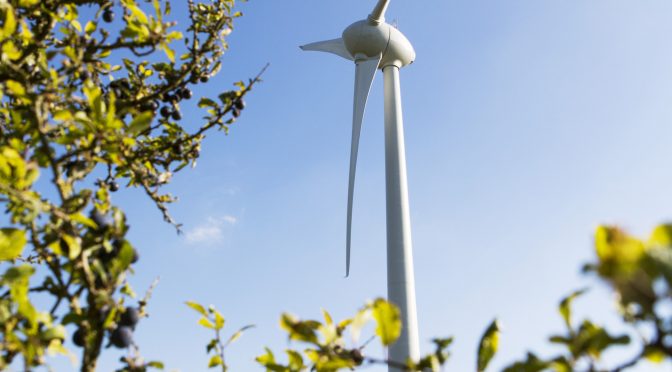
x=565 y=307
x=12 y=242
x=219 y=320
x=205 y=322
x=198 y=307
x=488 y=346
x=661 y=236
x=388 y=321
x=156 y=364
x=215 y=361
x=141 y=122
x=238 y=333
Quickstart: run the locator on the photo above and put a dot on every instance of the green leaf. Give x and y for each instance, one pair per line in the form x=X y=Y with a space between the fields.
x=300 y=330
x=487 y=348
x=295 y=360
x=534 y=364
x=198 y=307
x=267 y=358
x=327 y=318
x=206 y=102
x=74 y=246
x=614 y=245
x=238 y=333
x=12 y=242
x=205 y=322
x=219 y=320
x=18 y=280
x=141 y=122
x=90 y=27
x=56 y=332
x=78 y=217
x=565 y=307
x=169 y=52
x=388 y=321
x=16 y=88
x=215 y=361
x=156 y=364
x=661 y=236
x=9 y=25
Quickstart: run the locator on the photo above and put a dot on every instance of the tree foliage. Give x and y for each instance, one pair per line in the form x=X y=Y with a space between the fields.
x=90 y=94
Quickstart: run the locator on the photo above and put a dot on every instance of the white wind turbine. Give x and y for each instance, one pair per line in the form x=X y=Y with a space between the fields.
x=374 y=44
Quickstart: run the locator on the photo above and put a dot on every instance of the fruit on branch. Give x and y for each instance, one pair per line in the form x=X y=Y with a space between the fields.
x=166 y=111
x=108 y=15
x=136 y=256
x=185 y=93
x=240 y=104
x=78 y=337
x=102 y=220
x=122 y=337
x=130 y=317
x=114 y=186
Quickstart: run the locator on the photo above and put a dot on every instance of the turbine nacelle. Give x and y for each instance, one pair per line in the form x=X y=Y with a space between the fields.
x=367 y=39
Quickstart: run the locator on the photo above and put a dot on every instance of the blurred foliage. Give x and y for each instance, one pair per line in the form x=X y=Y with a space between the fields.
x=328 y=350
x=639 y=271
x=90 y=95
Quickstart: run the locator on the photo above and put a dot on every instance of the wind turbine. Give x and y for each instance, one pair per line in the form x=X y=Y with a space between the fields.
x=373 y=44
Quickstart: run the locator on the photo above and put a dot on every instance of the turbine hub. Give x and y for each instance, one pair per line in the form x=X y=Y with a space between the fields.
x=365 y=40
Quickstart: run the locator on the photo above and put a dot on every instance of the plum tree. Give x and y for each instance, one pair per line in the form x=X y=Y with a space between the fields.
x=77 y=101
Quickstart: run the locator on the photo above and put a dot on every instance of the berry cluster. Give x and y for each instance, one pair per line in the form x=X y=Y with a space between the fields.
x=171 y=109
x=121 y=336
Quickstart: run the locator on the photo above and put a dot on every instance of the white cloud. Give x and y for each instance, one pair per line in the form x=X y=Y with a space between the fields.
x=211 y=231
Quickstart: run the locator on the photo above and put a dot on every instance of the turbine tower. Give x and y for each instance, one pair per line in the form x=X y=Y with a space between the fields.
x=373 y=44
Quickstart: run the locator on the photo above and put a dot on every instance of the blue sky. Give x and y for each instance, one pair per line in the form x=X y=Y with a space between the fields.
x=528 y=123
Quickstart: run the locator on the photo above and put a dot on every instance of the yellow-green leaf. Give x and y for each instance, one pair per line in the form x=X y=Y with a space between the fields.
x=141 y=122
x=16 y=88
x=215 y=361
x=487 y=348
x=9 y=25
x=267 y=358
x=155 y=364
x=388 y=321
x=565 y=307
x=295 y=360
x=90 y=27
x=239 y=333
x=198 y=307
x=12 y=242
x=615 y=245
x=27 y=3
x=661 y=236
x=219 y=320
x=205 y=322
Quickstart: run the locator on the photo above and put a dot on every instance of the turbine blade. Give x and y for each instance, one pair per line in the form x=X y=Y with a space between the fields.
x=377 y=16
x=364 y=75
x=335 y=46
